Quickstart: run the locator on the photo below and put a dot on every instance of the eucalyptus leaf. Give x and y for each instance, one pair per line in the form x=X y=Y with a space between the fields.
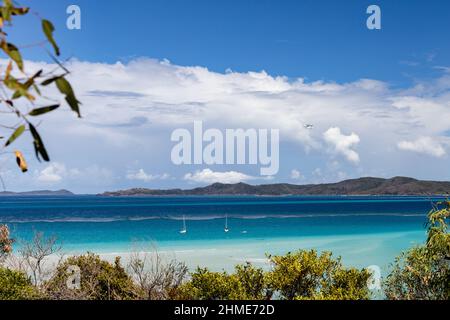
x=15 y=135
x=39 y=111
x=39 y=147
x=48 y=28
x=14 y=53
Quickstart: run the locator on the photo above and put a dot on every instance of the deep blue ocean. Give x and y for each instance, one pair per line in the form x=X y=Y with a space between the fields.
x=256 y=224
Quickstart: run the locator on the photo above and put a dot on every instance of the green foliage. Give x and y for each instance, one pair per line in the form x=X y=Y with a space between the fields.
x=16 y=84
x=39 y=111
x=17 y=133
x=38 y=144
x=48 y=29
x=346 y=284
x=65 y=88
x=247 y=283
x=100 y=280
x=251 y=281
x=302 y=275
x=423 y=272
x=307 y=275
x=15 y=285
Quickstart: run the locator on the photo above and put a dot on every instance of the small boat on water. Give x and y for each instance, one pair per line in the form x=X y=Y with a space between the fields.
x=226 y=224
x=184 y=230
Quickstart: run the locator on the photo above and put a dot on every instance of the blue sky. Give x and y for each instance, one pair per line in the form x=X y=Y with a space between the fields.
x=320 y=40
x=144 y=68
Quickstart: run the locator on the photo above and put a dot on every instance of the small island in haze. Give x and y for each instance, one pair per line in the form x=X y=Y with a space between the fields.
x=360 y=186
x=61 y=192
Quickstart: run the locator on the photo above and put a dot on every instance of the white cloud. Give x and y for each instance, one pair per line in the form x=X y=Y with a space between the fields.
x=129 y=110
x=209 y=176
x=296 y=175
x=57 y=172
x=143 y=176
x=343 y=144
x=53 y=173
x=169 y=95
x=425 y=145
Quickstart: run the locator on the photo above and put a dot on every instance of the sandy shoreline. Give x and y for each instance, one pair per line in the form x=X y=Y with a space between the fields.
x=356 y=250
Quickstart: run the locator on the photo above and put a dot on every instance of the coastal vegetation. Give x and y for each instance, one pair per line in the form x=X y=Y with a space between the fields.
x=360 y=186
x=16 y=285
x=422 y=272
x=294 y=276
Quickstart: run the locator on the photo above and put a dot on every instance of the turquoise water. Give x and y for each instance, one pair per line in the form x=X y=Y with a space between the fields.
x=363 y=230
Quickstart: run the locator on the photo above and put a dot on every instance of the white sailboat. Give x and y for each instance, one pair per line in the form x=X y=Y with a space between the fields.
x=184 y=230
x=226 y=224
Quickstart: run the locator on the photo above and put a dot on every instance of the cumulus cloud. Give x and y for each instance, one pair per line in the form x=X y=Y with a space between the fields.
x=129 y=110
x=209 y=176
x=57 y=172
x=143 y=176
x=53 y=173
x=343 y=144
x=425 y=145
x=170 y=95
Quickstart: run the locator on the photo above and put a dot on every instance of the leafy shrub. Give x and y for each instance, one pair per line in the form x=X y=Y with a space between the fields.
x=100 y=280
x=15 y=285
x=247 y=283
x=423 y=272
x=302 y=275
x=307 y=275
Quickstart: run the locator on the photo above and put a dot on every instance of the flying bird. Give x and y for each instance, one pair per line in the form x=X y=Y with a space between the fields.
x=308 y=126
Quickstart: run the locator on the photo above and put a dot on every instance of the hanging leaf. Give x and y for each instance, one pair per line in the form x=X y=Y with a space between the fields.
x=22 y=88
x=8 y=70
x=12 y=51
x=74 y=104
x=15 y=135
x=21 y=161
x=39 y=147
x=39 y=111
x=65 y=88
x=30 y=81
x=5 y=10
x=48 y=28
x=21 y=91
x=36 y=88
x=19 y=11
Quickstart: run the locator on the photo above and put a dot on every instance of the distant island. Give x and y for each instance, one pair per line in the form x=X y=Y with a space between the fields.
x=38 y=193
x=361 y=186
